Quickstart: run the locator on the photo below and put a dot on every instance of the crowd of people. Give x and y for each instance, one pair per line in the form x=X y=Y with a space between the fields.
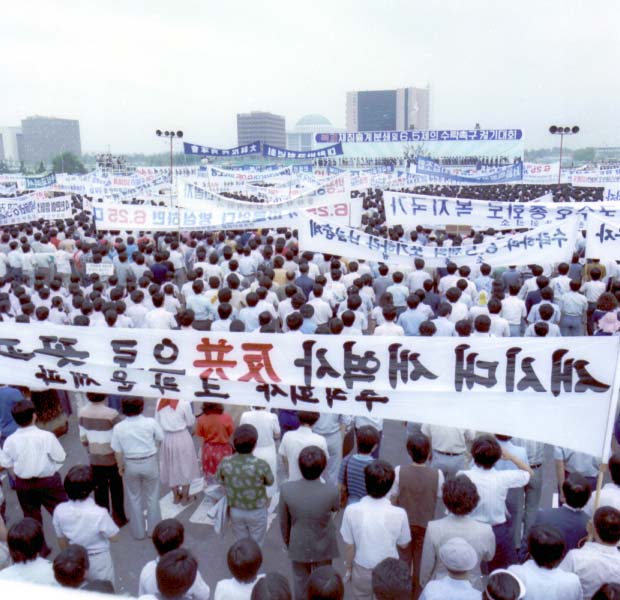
x=462 y=518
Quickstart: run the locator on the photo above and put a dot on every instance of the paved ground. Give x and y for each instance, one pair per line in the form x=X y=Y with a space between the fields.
x=130 y=555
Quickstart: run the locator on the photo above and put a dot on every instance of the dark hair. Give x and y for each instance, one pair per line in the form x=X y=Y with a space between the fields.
x=502 y=586
x=245 y=438
x=325 y=583
x=94 y=397
x=379 y=477
x=367 y=438
x=607 y=524
x=614 y=467
x=312 y=462
x=546 y=545
x=23 y=412
x=272 y=586
x=427 y=328
x=79 y=482
x=460 y=495
x=577 y=490
x=608 y=591
x=244 y=559
x=175 y=573
x=71 y=566
x=418 y=447
x=482 y=323
x=391 y=580
x=307 y=418
x=486 y=451
x=25 y=540
x=168 y=535
x=132 y=406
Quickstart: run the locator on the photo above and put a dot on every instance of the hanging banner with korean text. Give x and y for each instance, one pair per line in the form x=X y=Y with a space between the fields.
x=541 y=174
x=551 y=243
x=328 y=151
x=34 y=183
x=410 y=210
x=14 y=211
x=509 y=174
x=196 y=150
x=597 y=178
x=603 y=238
x=492 y=384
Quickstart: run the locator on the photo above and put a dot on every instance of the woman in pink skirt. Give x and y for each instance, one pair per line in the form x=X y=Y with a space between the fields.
x=215 y=428
x=178 y=463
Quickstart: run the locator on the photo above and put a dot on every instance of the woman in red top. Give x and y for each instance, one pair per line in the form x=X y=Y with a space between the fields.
x=215 y=428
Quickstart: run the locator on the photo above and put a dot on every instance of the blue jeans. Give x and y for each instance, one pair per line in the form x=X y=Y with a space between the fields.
x=571 y=325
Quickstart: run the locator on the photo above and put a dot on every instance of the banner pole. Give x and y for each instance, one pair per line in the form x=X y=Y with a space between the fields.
x=611 y=417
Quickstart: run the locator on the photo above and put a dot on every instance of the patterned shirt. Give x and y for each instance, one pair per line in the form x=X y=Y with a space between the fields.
x=244 y=476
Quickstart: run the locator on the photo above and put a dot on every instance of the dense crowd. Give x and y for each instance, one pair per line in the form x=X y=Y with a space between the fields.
x=462 y=519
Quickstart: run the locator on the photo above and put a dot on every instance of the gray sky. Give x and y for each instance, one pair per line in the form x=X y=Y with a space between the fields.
x=126 y=67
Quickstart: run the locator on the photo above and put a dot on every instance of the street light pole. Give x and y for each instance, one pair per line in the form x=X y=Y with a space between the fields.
x=171 y=135
x=562 y=131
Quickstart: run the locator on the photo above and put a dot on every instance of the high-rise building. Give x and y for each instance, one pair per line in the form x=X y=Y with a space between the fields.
x=262 y=127
x=46 y=137
x=11 y=144
x=388 y=110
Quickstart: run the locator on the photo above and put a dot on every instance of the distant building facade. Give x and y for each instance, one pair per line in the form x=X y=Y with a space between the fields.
x=46 y=137
x=302 y=137
x=260 y=126
x=11 y=144
x=388 y=110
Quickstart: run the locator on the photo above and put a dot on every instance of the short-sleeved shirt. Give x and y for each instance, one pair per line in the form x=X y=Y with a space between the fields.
x=354 y=466
x=85 y=523
x=376 y=528
x=293 y=442
x=214 y=428
x=137 y=437
x=244 y=476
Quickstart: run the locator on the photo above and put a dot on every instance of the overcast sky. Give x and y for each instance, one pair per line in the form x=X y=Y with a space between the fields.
x=125 y=68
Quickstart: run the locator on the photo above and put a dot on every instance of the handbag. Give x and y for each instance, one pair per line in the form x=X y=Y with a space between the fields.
x=220 y=515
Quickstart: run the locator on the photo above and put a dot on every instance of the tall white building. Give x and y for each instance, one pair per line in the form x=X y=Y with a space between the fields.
x=11 y=144
x=388 y=110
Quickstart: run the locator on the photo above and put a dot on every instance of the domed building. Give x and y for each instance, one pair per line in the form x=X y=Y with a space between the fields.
x=301 y=137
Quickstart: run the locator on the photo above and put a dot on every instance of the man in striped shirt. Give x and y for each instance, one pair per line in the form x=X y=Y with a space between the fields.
x=96 y=421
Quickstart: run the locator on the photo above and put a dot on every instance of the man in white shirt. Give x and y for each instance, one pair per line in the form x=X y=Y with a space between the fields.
x=499 y=325
x=244 y=559
x=169 y=535
x=597 y=562
x=373 y=529
x=416 y=279
x=159 y=317
x=25 y=541
x=459 y=309
x=81 y=521
x=542 y=579
x=449 y=445
x=293 y=442
x=610 y=492
x=135 y=441
x=322 y=309
x=514 y=311
x=443 y=324
x=34 y=456
x=493 y=485
x=389 y=327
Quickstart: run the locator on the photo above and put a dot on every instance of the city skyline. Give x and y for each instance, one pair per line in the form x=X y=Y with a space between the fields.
x=125 y=70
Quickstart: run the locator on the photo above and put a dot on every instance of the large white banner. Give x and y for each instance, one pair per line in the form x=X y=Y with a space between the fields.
x=410 y=210
x=209 y=216
x=555 y=390
x=14 y=211
x=603 y=239
x=550 y=243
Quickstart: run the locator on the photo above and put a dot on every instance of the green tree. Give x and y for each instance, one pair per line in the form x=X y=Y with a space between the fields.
x=41 y=167
x=4 y=167
x=67 y=162
x=584 y=155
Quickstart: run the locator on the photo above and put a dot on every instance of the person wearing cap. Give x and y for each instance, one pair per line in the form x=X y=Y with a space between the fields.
x=503 y=585
x=459 y=557
x=542 y=578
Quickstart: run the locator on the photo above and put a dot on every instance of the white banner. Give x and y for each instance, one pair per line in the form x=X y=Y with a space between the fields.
x=410 y=210
x=491 y=385
x=541 y=174
x=550 y=243
x=603 y=239
x=105 y=268
x=14 y=211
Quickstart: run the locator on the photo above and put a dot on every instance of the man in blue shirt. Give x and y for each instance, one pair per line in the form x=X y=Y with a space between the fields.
x=9 y=396
x=410 y=320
